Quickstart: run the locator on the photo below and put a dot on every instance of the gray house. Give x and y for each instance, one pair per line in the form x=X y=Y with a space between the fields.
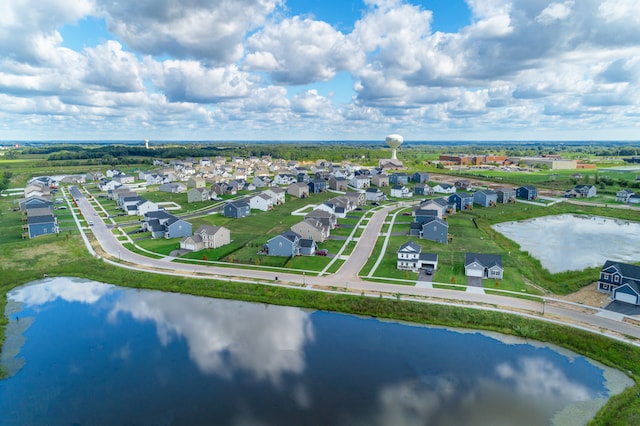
x=506 y=195
x=286 y=244
x=483 y=265
x=432 y=228
x=236 y=209
x=581 y=191
x=485 y=198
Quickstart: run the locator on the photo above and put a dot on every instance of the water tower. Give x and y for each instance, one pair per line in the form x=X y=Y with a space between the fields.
x=146 y=143
x=394 y=141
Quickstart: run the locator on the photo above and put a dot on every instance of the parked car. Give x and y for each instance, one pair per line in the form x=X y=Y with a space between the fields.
x=322 y=252
x=429 y=271
x=90 y=223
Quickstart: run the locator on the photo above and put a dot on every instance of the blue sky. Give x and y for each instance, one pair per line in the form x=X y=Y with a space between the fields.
x=320 y=69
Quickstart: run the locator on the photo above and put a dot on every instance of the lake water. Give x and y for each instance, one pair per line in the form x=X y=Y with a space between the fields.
x=570 y=242
x=82 y=352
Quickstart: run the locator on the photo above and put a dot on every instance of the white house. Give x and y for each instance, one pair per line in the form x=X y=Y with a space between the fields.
x=401 y=191
x=444 y=188
x=261 y=202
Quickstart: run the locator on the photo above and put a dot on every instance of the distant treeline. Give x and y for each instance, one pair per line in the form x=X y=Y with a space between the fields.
x=365 y=152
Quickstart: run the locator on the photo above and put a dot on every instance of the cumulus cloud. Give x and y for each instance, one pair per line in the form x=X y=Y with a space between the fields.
x=221 y=63
x=193 y=29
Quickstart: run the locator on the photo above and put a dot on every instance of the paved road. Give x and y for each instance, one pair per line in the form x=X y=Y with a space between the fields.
x=582 y=316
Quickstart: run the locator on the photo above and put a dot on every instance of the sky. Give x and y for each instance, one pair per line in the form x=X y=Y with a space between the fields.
x=319 y=69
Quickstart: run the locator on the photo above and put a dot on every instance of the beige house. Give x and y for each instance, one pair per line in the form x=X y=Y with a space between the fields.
x=298 y=189
x=196 y=182
x=312 y=229
x=206 y=237
x=380 y=180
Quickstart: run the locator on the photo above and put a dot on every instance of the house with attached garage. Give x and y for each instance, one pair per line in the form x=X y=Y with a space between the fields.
x=380 y=180
x=206 y=237
x=286 y=244
x=581 y=191
x=422 y=189
x=374 y=194
x=165 y=225
x=312 y=229
x=261 y=202
x=277 y=195
x=411 y=258
x=623 y=195
x=198 y=195
x=621 y=281
x=483 y=266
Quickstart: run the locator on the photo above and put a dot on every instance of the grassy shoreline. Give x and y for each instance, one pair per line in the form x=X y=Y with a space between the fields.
x=620 y=409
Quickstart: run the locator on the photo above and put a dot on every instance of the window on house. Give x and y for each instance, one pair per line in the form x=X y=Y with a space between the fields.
x=616 y=278
x=605 y=276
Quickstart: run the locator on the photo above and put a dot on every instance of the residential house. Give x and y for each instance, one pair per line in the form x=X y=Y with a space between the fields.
x=444 y=188
x=423 y=215
x=422 y=189
x=313 y=229
x=236 y=209
x=483 y=265
x=261 y=202
x=327 y=218
x=165 y=225
x=462 y=200
x=360 y=181
x=41 y=221
x=197 y=195
x=432 y=229
x=276 y=194
x=298 y=190
x=581 y=191
x=286 y=244
x=206 y=237
x=123 y=178
x=411 y=258
x=420 y=177
x=399 y=178
x=357 y=197
x=527 y=192
x=173 y=187
x=441 y=205
x=634 y=199
x=317 y=185
x=380 y=180
x=145 y=206
x=154 y=179
x=463 y=184
x=506 y=195
x=374 y=195
x=35 y=201
x=307 y=247
x=261 y=181
x=401 y=191
x=623 y=195
x=338 y=183
x=284 y=179
x=108 y=184
x=485 y=198
x=621 y=281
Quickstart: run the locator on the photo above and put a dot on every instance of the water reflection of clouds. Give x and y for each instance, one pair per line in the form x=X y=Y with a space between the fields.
x=226 y=335
x=67 y=289
x=503 y=398
x=572 y=242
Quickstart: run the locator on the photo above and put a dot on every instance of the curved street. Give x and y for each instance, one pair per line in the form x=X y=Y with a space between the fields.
x=347 y=279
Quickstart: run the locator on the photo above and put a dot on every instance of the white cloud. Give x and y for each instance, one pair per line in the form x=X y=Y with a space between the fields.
x=555 y=12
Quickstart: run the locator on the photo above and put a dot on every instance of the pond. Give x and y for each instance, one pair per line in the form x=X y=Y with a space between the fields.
x=570 y=242
x=83 y=352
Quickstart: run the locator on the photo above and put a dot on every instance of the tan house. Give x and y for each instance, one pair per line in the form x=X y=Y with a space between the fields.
x=380 y=180
x=206 y=237
x=298 y=189
x=313 y=229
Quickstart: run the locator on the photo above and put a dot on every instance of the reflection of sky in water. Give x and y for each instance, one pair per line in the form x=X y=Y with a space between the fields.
x=572 y=242
x=150 y=357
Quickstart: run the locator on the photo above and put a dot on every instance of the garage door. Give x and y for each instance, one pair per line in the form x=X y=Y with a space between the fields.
x=624 y=297
x=474 y=273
